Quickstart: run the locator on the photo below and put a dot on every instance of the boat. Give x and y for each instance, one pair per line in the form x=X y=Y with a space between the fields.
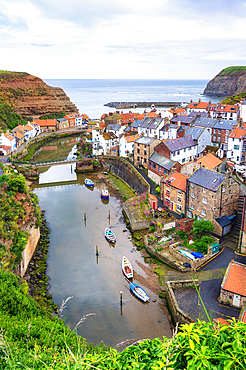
x=127 y=267
x=109 y=235
x=88 y=182
x=187 y=254
x=104 y=194
x=139 y=292
x=197 y=254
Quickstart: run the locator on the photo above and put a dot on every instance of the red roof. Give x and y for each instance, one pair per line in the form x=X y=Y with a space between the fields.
x=235 y=280
x=222 y=321
x=238 y=133
x=178 y=180
x=45 y=122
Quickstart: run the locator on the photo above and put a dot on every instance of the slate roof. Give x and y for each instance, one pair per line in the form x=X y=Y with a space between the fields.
x=225 y=124
x=207 y=179
x=223 y=221
x=182 y=119
x=194 y=131
x=194 y=114
x=145 y=123
x=114 y=127
x=155 y=123
x=162 y=161
x=144 y=140
x=235 y=278
x=136 y=123
x=180 y=143
x=205 y=122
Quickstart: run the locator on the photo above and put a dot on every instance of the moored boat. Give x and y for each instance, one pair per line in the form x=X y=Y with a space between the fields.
x=109 y=235
x=139 y=292
x=88 y=182
x=104 y=194
x=127 y=267
x=187 y=254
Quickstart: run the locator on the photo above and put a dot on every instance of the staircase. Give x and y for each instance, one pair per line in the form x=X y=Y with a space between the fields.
x=232 y=238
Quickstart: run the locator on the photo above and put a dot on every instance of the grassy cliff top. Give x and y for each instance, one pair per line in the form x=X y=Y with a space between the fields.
x=9 y=75
x=232 y=70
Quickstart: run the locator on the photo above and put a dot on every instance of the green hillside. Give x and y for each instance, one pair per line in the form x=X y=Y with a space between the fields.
x=232 y=70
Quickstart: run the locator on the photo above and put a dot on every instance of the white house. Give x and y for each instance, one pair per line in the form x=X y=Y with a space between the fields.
x=8 y=139
x=155 y=126
x=201 y=135
x=170 y=132
x=143 y=127
x=102 y=142
x=182 y=149
x=242 y=108
x=116 y=129
x=127 y=145
x=236 y=142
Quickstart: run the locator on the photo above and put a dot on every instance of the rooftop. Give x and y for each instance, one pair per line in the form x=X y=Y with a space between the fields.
x=164 y=162
x=235 y=278
x=207 y=179
x=178 y=180
x=209 y=161
x=238 y=133
x=180 y=143
x=145 y=140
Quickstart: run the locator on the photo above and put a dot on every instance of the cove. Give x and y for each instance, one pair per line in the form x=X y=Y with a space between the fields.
x=95 y=283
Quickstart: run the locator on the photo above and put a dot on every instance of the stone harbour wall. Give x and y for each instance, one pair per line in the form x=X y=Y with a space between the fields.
x=28 y=251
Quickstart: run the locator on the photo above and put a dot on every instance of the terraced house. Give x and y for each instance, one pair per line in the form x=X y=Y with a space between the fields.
x=182 y=149
x=221 y=131
x=143 y=147
x=212 y=196
x=173 y=192
x=160 y=166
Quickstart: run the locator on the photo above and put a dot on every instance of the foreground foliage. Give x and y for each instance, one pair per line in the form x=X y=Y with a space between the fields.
x=31 y=339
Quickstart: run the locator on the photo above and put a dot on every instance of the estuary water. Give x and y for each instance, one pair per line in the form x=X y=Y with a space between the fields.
x=77 y=217
x=90 y=95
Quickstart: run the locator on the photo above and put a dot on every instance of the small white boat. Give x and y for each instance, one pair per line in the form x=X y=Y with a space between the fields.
x=127 y=267
x=139 y=292
x=187 y=254
x=109 y=235
x=88 y=182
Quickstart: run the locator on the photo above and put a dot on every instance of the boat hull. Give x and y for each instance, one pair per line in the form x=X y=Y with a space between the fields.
x=109 y=235
x=139 y=292
x=127 y=268
x=88 y=182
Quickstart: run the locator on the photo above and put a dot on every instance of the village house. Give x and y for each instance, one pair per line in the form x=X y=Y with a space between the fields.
x=4 y=150
x=182 y=149
x=242 y=108
x=204 y=122
x=74 y=119
x=211 y=195
x=233 y=287
x=173 y=192
x=221 y=131
x=126 y=147
x=208 y=160
x=135 y=124
x=160 y=166
x=96 y=140
x=182 y=120
x=224 y=111
x=143 y=147
x=62 y=123
x=8 y=140
x=126 y=118
x=112 y=119
x=155 y=126
x=200 y=107
x=20 y=138
x=201 y=135
x=171 y=131
x=143 y=127
x=46 y=125
x=116 y=129
x=237 y=146
x=102 y=142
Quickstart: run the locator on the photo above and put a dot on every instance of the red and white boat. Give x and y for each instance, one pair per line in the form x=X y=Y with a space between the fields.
x=127 y=268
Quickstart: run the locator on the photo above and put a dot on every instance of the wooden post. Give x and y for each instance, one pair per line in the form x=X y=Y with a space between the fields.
x=97 y=250
x=121 y=298
x=109 y=216
x=85 y=218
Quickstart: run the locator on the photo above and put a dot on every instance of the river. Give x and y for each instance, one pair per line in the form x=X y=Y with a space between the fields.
x=95 y=282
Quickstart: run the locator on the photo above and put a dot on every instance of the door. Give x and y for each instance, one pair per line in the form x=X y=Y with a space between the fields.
x=236 y=300
x=225 y=230
x=172 y=206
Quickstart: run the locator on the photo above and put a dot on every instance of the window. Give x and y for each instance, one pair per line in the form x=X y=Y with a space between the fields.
x=204 y=200
x=145 y=160
x=138 y=158
x=236 y=147
x=223 y=189
x=204 y=212
x=189 y=214
x=167 y=192
x=154 y=166
x=150 y=163
x=204 y=190
x=192 y=195
x=167 y=201
x=179 y=192
x=178 y=152
x=138 y=151
x=184 y=150
x=165 y=172
x=192 y=207
x=179 y=199
x=183 y=160
x=145 y=152
x=159 y=169
x=179 y=208
x=191 y=185
x=215 y=130
x=214 y=138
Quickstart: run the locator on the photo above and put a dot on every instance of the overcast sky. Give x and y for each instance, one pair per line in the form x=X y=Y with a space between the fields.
x=159 y=39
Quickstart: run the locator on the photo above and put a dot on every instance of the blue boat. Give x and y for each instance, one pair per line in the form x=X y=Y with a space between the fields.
x=139 y=292
x=197 y=254
x=104 y=194
x=109 y=235
x=88 y=182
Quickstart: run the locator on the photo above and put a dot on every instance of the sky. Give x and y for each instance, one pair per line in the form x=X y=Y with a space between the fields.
x=128 y=39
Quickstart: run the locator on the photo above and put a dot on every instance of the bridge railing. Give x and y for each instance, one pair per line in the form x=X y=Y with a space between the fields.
x=52 y=161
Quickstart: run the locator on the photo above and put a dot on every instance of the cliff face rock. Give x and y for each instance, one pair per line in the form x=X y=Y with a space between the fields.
x=230 y=81
x=32 y=97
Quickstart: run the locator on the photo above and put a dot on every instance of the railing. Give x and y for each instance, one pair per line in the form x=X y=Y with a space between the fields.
x=53 y=161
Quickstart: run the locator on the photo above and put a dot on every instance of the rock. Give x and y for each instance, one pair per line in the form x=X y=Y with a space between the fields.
x=32 y=97
x=230 y=81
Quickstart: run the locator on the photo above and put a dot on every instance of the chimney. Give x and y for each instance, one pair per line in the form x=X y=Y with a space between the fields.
x=111 y=114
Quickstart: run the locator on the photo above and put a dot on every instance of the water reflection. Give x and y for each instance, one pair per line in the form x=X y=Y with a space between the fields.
x=93 y=275
x=58 y=173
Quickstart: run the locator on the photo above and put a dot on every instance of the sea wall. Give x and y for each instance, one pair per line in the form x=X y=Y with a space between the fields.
x=34 y=235
x=127 y=172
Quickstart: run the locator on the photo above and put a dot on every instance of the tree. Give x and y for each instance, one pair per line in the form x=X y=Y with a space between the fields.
x=202 y=227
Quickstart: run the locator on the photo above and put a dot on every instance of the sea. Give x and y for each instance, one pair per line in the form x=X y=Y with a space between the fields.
x=91 y=95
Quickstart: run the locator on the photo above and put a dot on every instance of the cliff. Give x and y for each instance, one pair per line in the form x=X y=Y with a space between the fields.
x=32 y=97
x=230 y=81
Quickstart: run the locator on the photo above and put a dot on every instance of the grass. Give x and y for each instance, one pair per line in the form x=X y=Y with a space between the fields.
x=123 y=189
x=232 y=70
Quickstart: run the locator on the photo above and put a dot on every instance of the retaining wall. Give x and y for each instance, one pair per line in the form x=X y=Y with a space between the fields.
x=179 y=315
x=34 y=235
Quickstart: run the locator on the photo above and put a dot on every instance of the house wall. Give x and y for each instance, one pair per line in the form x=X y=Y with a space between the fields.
x=184 y=155
x=203 y=141
x=170 y=198
x=227 y=297
x=163 y=150
x=232 y=153
x=143 y=151
x=185 y=224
